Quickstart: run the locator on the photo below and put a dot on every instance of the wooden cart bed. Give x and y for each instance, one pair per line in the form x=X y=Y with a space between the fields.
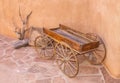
x=74 y=39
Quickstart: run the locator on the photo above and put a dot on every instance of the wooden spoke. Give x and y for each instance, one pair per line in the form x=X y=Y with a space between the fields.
x=99 y=50
x=72 y=65
x=71 y=70
x=98 y=55
x=40 y=51
x=60 y=55
x=61 y=64
x=72 y=60
x=66 y=60
x=44 y=46
x=60 y=59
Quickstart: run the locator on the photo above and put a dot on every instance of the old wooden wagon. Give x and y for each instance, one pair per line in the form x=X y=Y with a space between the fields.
x=66 y=44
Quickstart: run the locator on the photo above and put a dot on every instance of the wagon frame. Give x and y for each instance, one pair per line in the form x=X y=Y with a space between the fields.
x=66 y=44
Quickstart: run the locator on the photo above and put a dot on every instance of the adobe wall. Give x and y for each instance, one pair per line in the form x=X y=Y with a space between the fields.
x=104 y=19
x=45 y=13
x=98 y=16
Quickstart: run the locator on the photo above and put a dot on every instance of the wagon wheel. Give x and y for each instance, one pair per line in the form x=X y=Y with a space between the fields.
x=44 y=46
x=67 y=60
x=98 y=55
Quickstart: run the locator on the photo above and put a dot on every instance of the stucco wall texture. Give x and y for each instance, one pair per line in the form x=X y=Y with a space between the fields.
x=98 y=16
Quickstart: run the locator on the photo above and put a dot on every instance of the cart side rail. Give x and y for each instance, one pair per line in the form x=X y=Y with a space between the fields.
x=73 y=44
x=74 y=32
x=61 y=39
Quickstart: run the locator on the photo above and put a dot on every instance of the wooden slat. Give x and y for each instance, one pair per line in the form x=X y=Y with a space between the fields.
x=74 y=32
x=67 y=38
x=72 y=37
x=60 y=38
x=91 y=45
